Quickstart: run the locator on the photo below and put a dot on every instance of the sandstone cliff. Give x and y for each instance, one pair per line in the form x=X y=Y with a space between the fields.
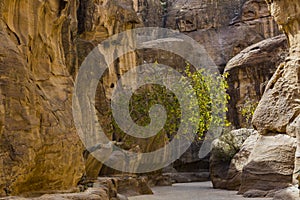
x=43 y=45
x=248 y=75
x=223 y=27
x=40 y=150
x=278 y=111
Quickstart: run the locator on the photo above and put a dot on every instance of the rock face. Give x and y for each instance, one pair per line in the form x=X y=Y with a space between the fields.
x=279 y=106
x=223 y=150
x=190 y=161
x=43 y=43
x=249 y=73
x=96 y=22
x=278 y=111
x=223 y=27
x=39 y=148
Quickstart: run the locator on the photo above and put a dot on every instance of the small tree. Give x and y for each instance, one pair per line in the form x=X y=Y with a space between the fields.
x=211 y=99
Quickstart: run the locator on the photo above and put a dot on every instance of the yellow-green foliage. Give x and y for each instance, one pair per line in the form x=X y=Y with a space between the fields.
x=248 y=109
x=212 y=98
x=208 y=89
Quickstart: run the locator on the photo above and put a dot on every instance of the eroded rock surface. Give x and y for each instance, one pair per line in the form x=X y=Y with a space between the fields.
x=224 y=28
x=270 y=165
x=280 y=103
x=39 y=148
x=234 y=174
x=248 y=75
x=43 y=43
x=277 y=114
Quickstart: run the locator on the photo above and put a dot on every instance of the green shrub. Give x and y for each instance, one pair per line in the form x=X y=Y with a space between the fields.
x=210 y=93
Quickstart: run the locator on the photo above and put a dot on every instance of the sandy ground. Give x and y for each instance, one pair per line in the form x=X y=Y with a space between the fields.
x=192 y=191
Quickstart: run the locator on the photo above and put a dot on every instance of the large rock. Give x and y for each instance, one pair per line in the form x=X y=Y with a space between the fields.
x=43 y=45
x=278 y=111
x=39 y=148
x=279 y=105
x=249 y=73
x=290 y=193
x=270 y=165
x=223 y=150
x=234 y=174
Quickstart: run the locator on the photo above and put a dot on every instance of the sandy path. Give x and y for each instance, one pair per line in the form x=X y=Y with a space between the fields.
x=192 y=191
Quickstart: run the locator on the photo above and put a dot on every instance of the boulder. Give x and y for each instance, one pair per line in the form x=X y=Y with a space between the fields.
x=290 y=193
x=270 y=164
x=234 y=174
x=278 y=111
x=279 y=105
x=223 y=150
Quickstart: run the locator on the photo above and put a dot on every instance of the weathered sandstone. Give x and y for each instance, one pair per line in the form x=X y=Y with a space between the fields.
x=248 y=75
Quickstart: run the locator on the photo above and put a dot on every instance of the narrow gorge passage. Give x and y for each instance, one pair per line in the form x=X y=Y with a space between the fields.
x=191 y=191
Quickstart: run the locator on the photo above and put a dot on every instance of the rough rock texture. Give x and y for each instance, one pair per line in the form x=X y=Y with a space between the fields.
x=278 y=111
x=279 y=105
x=223 y=150
x=97 y=21
x=270 y=165
x=104 y=188
x=150 y=12
x=249 y=73
x=223 y=27
x=43 y=45
x=39 y=148
x=295 y=127
x=234 y=174
x=290 y=193
x=133 y=186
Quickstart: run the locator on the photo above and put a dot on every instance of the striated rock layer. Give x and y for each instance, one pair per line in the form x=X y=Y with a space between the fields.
x=270 y=165
x=39 y=148
x=43 y=45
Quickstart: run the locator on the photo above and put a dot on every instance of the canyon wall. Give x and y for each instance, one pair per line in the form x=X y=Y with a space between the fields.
x=277 y=114
x=248 y=75
x=43 y=45
x=40 y=150
x=224 y=28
